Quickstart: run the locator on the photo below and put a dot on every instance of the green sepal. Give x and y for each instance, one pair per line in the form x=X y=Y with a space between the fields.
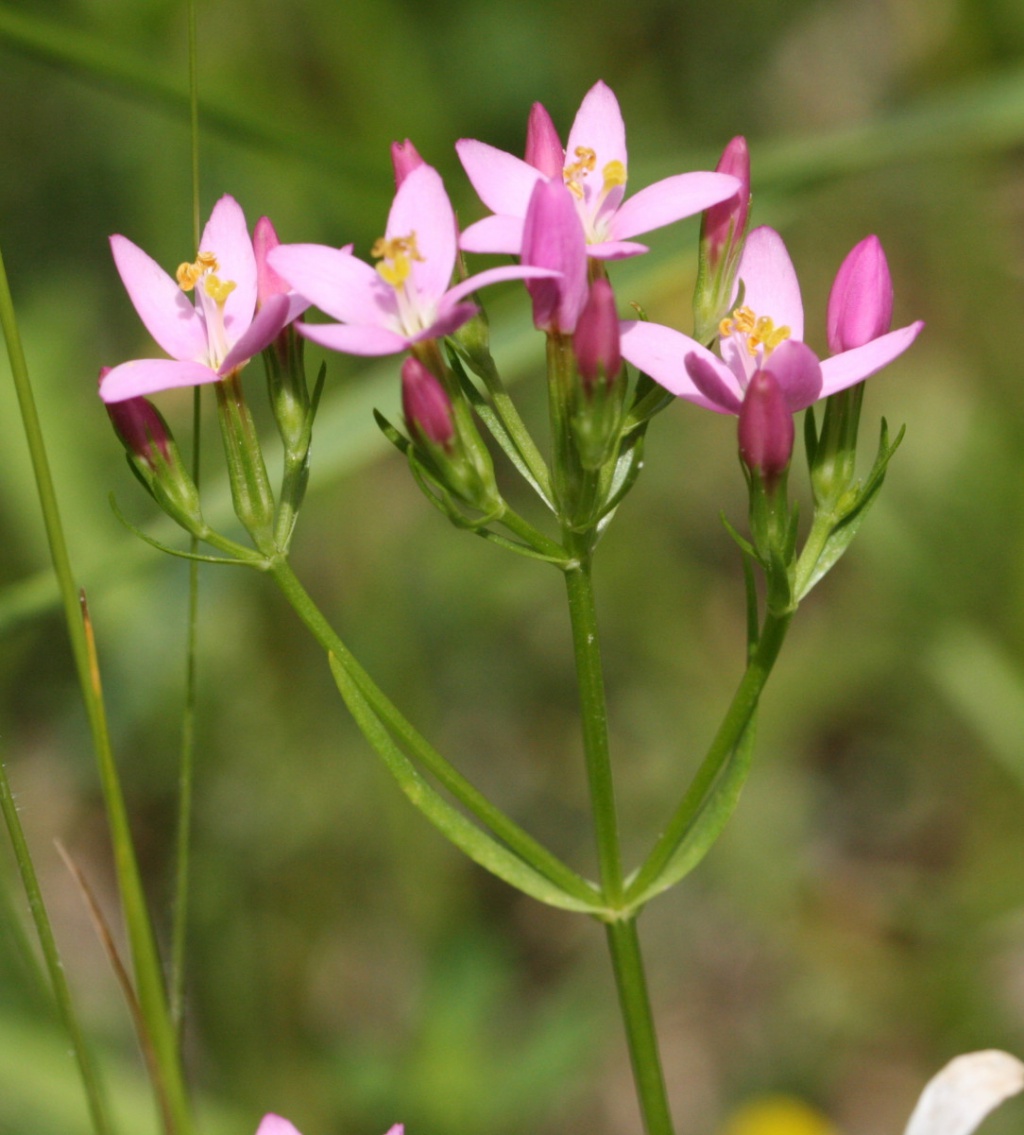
x=392 y=433
x=482 y=848
x=845 y=520
x=628 y=465
x=742 y=542
x=497 y=429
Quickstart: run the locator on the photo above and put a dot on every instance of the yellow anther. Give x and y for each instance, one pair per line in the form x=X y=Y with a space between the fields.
x=188 y=275
x=586 y=160
x=614 y=174
x=217 y=289
x=760 y=330
x=396 y=255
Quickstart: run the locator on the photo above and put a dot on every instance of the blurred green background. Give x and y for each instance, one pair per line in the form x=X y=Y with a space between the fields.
x=862 y=920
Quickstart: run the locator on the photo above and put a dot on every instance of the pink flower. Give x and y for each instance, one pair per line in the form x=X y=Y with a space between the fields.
x=594 y=168
x=207 y=337
x=275 y=1125
x=768 y=326
x=406 y=298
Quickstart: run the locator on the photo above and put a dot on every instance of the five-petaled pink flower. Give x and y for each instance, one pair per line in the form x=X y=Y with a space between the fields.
x=406 y=298
x=209 y=337
x=769 y=325
x=594 y=168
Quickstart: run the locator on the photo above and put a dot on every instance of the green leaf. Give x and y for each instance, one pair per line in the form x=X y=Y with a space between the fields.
x=483 y=849
x=708 y=820
x=848 y=521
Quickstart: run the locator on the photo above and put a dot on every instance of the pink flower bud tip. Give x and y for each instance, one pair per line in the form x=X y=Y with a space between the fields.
x=426 y=405
x=268 y=282
x=405 y=158
x=765 y=428
x=139 y=425
x=860 y=303
x=543 y=146
x=597 y=338
x=726 y=221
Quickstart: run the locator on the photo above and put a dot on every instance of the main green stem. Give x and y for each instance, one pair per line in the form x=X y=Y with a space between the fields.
x=623 y=941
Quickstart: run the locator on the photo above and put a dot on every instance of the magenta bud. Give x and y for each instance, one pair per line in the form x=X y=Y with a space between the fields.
x=765 y=428
x=724 y=224
x=268 y=282
x=553 y=238
x=597 y=341
x=405 y=158
x=543 y=146
x=860 y=303
x=426 y=405
x=141 y=427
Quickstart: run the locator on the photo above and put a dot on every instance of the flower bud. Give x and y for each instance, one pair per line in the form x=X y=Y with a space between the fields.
x=597 y=338
x=725 y=223
x=860 y=303
x=553 y=238
x=765 y=429
x=723 y=229
x=426 y=405
x=268 y=282
x=154 y=458
x=405 y=158
x=543 y=146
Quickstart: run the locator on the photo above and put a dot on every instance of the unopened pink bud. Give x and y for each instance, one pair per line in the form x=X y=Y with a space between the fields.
x=553 y=238
x=543 y=146
x=597 y=340
x=140 y=426
x=268 y=282
x=405 y=158
x=860 y=303
x=725 y=222
x=765 y=428
x=426 y=405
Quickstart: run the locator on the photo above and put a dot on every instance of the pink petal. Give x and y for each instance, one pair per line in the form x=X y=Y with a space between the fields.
x=660 y=352
x=771 y=286
x=227 y=237
x=615 y=249
x=270 y=321
x=149 y=376
x=494 y=276
x=275 y=1125
x=448 y=320
x=670 y=200
x=599 y=127
x=714 y=382
x=421 y=206
x=798 y=373
x=338 y=283
x=353 y=340
x=854 y=366
x=494 y=234
x=502 y=181
x=167 y=312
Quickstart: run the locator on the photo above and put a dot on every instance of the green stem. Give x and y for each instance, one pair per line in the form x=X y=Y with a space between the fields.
x=594 y=720
x=148 y=976
x=523 y=844
x=623 y=942
x=186 y=765
x=635 y=1004
x=51 y=956
x=740 y=712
